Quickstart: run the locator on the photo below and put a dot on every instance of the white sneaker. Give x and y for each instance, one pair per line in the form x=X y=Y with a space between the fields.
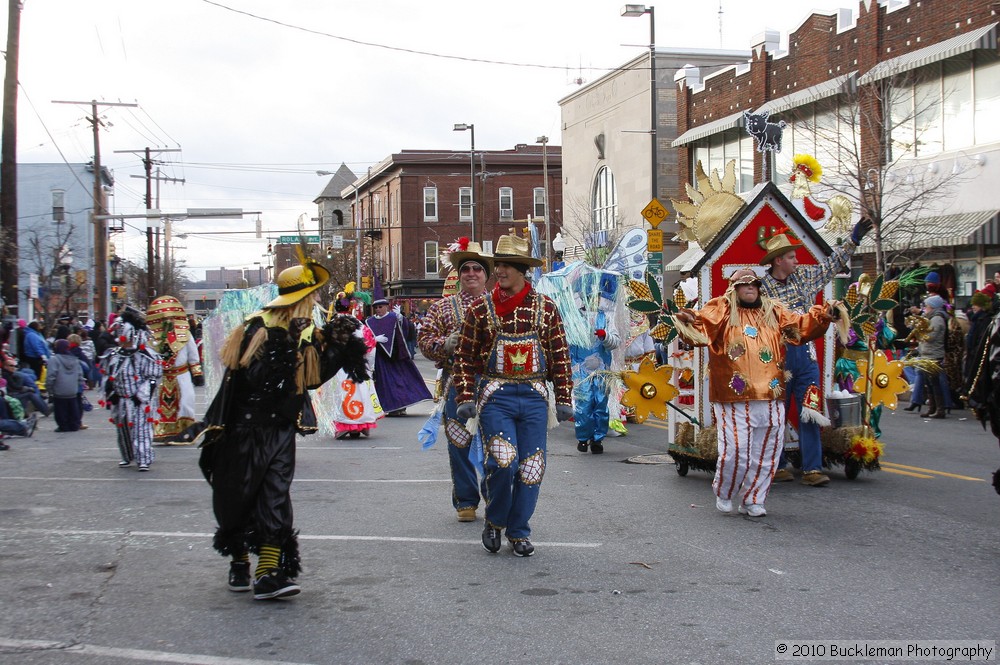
x=724 y=505
x=753 y=510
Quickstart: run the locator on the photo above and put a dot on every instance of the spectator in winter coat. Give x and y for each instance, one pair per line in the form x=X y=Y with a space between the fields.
x=63 y=385
x=36 y=351
x=21 y=387
x=933 y=348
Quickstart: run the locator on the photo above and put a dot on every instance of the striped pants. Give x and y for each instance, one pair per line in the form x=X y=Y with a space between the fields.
x=750 y=437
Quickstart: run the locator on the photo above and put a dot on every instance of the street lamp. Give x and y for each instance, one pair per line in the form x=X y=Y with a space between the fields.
x=461 y=127
x=639 y=10
x=544 y=140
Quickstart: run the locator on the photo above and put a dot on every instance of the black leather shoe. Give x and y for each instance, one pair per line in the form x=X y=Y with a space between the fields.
x=239 y=576
x=912 y=407
x=597 y=447
x=491 y=539
x=582 y=446
x=523 y=547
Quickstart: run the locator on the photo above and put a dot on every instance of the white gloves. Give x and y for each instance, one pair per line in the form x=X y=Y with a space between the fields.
x=451 y=342
x=398 y=309
x=381 y=339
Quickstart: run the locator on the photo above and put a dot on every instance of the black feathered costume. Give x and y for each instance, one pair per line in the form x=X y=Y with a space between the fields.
x=248 y=454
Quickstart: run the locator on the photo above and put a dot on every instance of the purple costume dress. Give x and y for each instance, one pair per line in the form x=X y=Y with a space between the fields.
x=398 y=382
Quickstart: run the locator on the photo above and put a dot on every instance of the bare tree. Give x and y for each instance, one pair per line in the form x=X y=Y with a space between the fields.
x=61 y=289
x=867 y=141
x=585 y=239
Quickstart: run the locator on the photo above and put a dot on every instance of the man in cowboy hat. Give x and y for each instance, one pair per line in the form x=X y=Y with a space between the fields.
x=744 y=332
x=248 y=456
x=797 y=288
x=437 y=340
x=511 y=342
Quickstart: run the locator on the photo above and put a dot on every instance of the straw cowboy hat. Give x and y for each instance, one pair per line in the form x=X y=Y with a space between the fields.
x=472 y=252
x=776 y=246
x=297 y=282
x=744 y=276
x=516 y=250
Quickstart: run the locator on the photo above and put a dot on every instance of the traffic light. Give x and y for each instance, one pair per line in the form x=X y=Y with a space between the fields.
x=114 y=291
x=366 y=282
x=329 y=251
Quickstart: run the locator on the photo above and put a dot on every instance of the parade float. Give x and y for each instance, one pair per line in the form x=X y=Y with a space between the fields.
x=730 y=232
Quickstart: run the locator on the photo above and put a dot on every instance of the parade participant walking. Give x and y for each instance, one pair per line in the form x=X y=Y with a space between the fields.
x=397 y=380
x=132 y=370
x=438 y=340
x=356 y=409
x=513 y=341
x=171 y=338
x=248 y=455
x=746 y=334
x=797 y=287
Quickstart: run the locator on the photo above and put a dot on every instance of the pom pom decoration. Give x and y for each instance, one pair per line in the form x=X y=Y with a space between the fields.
x=866 y=450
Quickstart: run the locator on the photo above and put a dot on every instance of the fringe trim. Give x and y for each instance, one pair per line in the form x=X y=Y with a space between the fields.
x=843 y=323
x=307 y=374
x=253 y=347
x=230 y=353
x=690 y=333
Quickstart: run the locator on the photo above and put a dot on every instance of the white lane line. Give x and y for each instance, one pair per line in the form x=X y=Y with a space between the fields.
x=360 y=448
x=321 y=537
x=147 y=479
x=133 y=654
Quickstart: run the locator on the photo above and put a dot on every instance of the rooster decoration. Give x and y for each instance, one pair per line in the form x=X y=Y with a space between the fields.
x=834 y=214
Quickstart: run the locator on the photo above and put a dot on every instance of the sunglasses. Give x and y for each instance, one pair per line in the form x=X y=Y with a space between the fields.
x=472 y=268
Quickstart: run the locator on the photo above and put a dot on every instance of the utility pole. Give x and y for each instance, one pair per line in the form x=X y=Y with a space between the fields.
x=99 y=214
x=152 y=270
x=9 y=272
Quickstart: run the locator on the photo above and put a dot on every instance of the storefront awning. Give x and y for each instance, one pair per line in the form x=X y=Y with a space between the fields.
x=972 y=228
x=814 y=93
x=686 y=260
x=985 y=38
x=709 y=128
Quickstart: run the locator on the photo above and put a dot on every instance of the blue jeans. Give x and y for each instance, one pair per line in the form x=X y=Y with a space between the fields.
x=919 y=382
x=465 y=482
x=513 y=424
x=805 y=373
x=590 y=415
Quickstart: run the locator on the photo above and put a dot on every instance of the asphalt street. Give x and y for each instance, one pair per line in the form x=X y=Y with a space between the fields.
x=633 y=563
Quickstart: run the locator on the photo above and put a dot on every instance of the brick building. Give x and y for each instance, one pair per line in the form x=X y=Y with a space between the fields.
x=914 y=84
x=412 y=204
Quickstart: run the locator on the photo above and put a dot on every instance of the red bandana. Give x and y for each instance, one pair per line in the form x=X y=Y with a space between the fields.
x=504 y=303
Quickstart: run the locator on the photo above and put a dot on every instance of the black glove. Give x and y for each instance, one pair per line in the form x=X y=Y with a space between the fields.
x=198 y=380
x=863 y=226
x=466 y=411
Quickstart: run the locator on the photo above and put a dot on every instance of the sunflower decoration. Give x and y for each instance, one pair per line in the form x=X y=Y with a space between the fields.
x=648 y=390
x=867 y=300
x=647 y=299
x=887 y=380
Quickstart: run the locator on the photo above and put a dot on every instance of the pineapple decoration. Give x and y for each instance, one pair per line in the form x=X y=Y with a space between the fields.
x=868 y=300
x=647 y=298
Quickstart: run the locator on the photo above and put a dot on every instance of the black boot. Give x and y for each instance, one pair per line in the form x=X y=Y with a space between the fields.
x=582 y=446
x=597 y=447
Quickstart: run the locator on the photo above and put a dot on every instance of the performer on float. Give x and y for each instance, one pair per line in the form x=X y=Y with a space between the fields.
x=356 y=407
x=513 y=340
x=438 y=339
x=797 y=286
x=746 y=334
x=248 y=456
x=132 y=370
x=397 y=380
x=595 y=295
x=172 y=340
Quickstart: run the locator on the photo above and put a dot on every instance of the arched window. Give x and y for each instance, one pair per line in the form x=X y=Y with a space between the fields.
x=604 y=201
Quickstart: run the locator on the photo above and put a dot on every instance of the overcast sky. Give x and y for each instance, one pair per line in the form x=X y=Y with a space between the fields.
x=257 y=104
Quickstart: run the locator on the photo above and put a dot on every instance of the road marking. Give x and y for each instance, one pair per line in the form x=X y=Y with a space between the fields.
x=133 y=654
x=936 y=473
x=322 y=537
x=905 y=473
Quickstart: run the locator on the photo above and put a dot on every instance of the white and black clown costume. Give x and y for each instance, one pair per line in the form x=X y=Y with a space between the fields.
x=133 y=370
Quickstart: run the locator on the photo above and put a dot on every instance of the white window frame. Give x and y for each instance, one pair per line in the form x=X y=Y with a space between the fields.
x=465 y=204
x=508 y=194
x=430 y=199
x=431 y=254
x=538 y=201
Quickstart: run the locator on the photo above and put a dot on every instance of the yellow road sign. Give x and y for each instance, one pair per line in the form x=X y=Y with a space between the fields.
x=654 y=240
x=654 y=213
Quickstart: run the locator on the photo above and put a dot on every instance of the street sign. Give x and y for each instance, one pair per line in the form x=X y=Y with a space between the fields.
x=654 y=240
x=654 y=213
x=294 y=240
x=338 y=242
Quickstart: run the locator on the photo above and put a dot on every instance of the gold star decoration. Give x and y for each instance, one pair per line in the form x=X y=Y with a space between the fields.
x=887 y=380
x=649 y=390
